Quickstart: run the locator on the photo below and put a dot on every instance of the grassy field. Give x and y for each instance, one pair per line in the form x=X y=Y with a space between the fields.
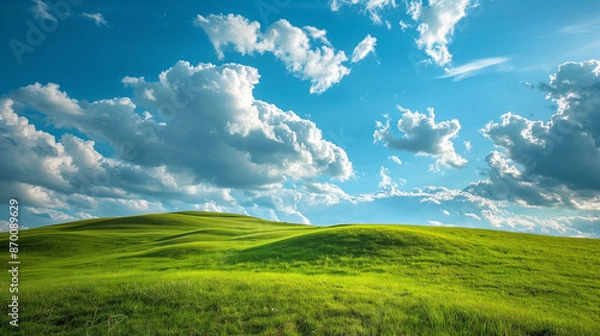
x=197 y=273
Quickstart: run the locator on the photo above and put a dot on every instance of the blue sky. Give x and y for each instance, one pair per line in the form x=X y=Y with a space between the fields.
x=468 y=113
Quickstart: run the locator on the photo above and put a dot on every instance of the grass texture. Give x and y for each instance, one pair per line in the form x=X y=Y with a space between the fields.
x=200 y=273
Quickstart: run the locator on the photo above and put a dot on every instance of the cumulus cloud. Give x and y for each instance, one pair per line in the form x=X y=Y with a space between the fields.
x=201 y=138
x=317 y=34
x=463 y=206
x=363 y=49
x=289 y=203
x=423 y=136
x=371 y=7
x=550 y=163
x=49 y=98
x=236 y=132
x=60 y=174
x=473 y=68
x=386 y=183
x=435 y=24
x=58 y=216
x=236 y=30
x=563 y=225
x=98 y=18
x=323 y=66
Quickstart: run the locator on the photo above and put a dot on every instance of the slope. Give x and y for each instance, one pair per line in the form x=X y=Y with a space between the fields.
x=199 y=273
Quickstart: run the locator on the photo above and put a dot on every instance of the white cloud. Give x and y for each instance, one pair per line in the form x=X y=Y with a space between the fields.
x=49 y=98
x=473 y=68
x=395 y=159
x=98 y=18
x=323 y=65
x=423 y=136
x=40 y=11
x=438 y=223
x=57 y=216
x=472 y=215
x=248 y=141
x=317 y=34
x=496 y=214
x=366 y=46
x=370 y=7
x=436 y=22
x=564 y=225
x=468 y=146
x=404 y=26
x=386 y=183
x=232 y=29
x=240 y=132
x=463 y=206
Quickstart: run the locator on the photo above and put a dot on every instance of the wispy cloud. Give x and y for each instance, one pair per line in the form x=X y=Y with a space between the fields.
x=474 y=216
x=363 y=49
x=40 y=10
x=98 y=18
x=528 y=84
x=371 y=7
x=472 y=68
x=395 y=159
x=580 y=28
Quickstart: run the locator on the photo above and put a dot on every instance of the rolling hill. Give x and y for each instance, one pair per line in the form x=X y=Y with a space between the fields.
x=200 y=273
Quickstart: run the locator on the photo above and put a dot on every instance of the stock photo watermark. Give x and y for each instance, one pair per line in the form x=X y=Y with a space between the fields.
x=340 y=138
x=266 y=8
x=37 y=31
x=14 y=262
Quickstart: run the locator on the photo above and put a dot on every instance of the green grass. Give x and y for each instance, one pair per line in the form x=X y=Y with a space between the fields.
x=197 y=273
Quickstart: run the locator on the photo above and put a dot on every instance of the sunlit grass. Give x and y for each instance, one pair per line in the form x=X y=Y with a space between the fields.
x=215 y=274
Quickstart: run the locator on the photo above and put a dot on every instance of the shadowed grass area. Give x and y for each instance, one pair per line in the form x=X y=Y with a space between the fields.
x=198 y=273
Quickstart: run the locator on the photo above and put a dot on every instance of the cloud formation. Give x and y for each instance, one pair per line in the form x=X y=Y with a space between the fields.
x=323 y=66
x=472 y=68
x=434 y=20
x=98 y=19
x=366 y=46
x=196 y=136
x=423 y=136
x=395 y=159
x=466 y=207
x=553 y=163
x=435 y=24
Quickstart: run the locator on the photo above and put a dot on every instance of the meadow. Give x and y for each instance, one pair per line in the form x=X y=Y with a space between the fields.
x=200 y=273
